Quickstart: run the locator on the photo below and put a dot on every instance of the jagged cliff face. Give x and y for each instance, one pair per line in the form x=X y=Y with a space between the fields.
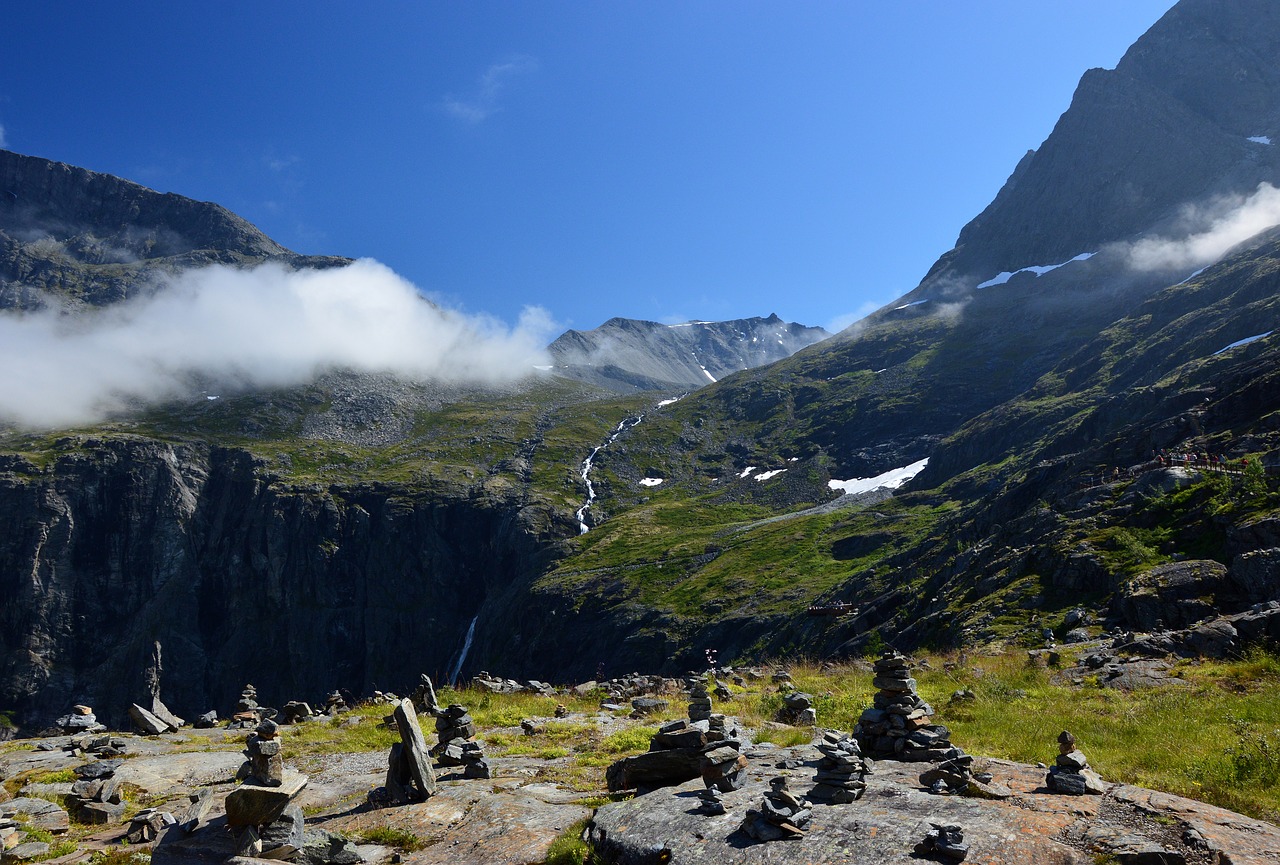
x=72 y=236
x=1170 y=125
x=121 y=543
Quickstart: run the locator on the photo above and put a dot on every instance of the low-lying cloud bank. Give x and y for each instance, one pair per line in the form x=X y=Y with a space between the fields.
x=266 y=327
x=1209 y=231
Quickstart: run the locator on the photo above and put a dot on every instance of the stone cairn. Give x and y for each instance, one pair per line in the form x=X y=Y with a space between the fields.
x=265 y=763
x=454 y=729
x=897 y=726
x=946 y=841
x=248 y=712
x=410 y=777
x=334 y=703
x=261 y=810
x=96 y=796
x=840 y=771
x=699 y=699
x=1071 y=774
x=80 y=720
x=781 y=814
x=723 y=766
x=101 y=746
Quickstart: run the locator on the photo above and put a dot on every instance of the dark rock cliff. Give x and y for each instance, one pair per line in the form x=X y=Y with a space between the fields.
x=123 y=543
x=78 y=236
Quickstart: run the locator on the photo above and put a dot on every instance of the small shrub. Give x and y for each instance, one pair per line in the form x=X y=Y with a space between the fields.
x=570 y=849
x=400 y=839
x=785 y=737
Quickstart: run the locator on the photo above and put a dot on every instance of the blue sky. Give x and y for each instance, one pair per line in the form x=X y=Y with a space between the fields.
x=657 y=160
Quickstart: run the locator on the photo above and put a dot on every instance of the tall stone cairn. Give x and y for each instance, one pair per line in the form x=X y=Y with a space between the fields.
x=897 y=726
x=699 y=699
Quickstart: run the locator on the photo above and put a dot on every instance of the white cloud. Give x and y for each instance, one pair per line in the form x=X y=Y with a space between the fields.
x=1209 y=231
x=484 y=100
x=266 y=327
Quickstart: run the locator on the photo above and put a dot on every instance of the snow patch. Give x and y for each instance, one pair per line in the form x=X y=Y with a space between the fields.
x=914 y=303
x=670 y=401
x=211 y=398
x=748 y=470
x=651 y=482
x=1037 y=269
x=707 y=374
x=1260 y=139
x=891 y=479
x=543 y=368
x=764 y=476
x=1245 y=341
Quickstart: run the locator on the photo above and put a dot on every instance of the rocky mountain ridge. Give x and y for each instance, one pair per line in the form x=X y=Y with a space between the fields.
x=71 y=236
x=629 y=355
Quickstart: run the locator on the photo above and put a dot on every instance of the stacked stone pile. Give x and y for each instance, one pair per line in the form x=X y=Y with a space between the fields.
x=410 y=777
x=248 y=713
x=261 y=810
x=840 y=771
x=1071 y=773
x=781 y=815
x=80 y=720
x=675 y=756
x=897 y=726
x=455 y=728
x=264 y=761
x=699 y=699
x=334 y=703
x=96 y=796
x=147 y=825
x=102 y=746
x=723 y=765
x=945 y=842
x=474 y=764
x=711 y=802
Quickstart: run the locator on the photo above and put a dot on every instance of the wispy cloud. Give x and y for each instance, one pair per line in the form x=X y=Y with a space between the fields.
x=1209 y=231
x=280 y=163
x=840 y=322
x=258 y=328
x=484 y=101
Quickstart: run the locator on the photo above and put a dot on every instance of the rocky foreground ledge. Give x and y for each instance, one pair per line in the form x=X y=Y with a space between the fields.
x=1129 y=825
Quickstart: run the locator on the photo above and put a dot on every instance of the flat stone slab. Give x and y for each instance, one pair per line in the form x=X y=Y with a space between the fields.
x=252 y=805
x=178 y=773
x=42 y=813
x=484 y=824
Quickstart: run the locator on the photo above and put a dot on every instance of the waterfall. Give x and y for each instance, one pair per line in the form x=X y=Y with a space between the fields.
x=627 y=424
x=466 y=647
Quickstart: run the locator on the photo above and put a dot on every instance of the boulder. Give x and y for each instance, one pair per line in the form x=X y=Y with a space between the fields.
x=654 y=769
x=147 y=723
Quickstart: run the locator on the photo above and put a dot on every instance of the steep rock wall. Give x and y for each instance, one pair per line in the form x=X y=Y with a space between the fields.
x=121 y=544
